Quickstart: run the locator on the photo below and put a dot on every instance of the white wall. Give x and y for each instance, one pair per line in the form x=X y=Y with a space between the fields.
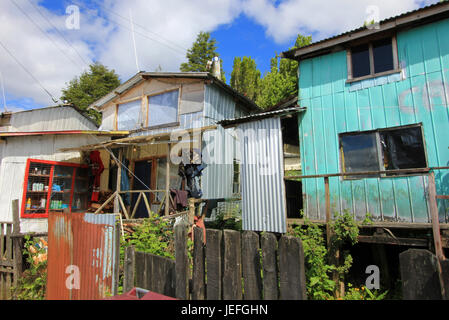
x=16 y=151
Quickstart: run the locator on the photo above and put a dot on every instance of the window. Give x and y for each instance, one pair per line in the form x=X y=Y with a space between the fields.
x=129 y=115
x=373 y=58
x=163 y=108
x=54 y=187
x=383 y=150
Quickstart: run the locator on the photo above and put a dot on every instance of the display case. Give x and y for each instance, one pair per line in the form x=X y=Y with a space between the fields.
x=54 y=187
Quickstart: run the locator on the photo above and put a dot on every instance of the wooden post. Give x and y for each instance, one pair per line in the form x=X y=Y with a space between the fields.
x=292 y=277
x=198 y=277
x=252 y=281
x=214 y=241
x=328 y=210
x=17 y=242
x=434 y=215
x=191 y=211
x=232 y=273
x=117 y=260
x=167 y=182
x=182 y=262
x=119 y=179
x=270 y=269
x=129 y=269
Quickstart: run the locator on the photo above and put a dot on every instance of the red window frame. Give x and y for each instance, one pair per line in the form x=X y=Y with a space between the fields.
x=23 y=214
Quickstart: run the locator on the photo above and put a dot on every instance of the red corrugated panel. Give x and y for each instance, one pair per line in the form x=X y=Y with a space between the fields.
x=81 y=246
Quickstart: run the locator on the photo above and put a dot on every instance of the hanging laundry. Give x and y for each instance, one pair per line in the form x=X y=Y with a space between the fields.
x=96 y=167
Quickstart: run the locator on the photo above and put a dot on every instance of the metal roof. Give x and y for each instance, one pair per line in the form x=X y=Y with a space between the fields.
x=141 y=76
x=259 y=116
x=423 y=15
x=69 y=132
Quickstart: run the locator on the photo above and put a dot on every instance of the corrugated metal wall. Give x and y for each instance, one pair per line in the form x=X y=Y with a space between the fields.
x=50 y=119
x=218 y=145
x=335 y=107
x=262 y=176
x=82 y=249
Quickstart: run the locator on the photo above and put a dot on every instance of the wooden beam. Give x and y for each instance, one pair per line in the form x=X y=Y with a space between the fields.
x=119 y=178
x=136 y=205
x=123 y=206
x=413 y=242
x=106 y=202
x=435 y=218
x=167 y=182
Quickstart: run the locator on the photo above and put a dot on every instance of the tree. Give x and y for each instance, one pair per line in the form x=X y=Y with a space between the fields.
x=204 y=49
x=245 y=77
x=90 y=86
x=281 y=81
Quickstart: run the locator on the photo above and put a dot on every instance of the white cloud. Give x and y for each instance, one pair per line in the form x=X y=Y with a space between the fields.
x=105 y=35
x=325 y=17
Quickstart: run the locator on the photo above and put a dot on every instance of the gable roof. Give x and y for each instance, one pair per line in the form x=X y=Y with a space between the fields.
x=142 y=76
x=387 y=26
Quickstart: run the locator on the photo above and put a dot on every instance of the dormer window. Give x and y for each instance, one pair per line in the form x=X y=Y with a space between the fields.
x=372 y=59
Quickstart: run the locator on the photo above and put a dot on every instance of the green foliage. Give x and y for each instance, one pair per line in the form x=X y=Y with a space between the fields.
x=204 y=49
x=245 y=77
x=90 y=86
x=320 y=270
x=154 y=235
x=33 y=283
x=282 y=80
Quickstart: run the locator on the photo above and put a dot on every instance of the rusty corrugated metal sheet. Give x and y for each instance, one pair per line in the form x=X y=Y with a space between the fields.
x=83 y=244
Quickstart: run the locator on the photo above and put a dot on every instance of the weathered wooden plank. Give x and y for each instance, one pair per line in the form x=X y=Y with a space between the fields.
x=292 y=278
x=163 y=275
x=182 y=263
x=433 y=208
x=141 y=270
x=232 y=265
x=198 y=277
x=129 y=265
x=17 y=243
x=270 y=269
x=251 y=266
x=148 y=271
x=419 y=275
x=2 y=240
x=445 y=277
x=214 y=240
x=8 y=251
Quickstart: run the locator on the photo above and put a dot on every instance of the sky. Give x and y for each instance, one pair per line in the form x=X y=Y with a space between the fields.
x=46 y=43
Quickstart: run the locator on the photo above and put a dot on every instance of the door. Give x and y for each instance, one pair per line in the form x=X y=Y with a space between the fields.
x=142 y=181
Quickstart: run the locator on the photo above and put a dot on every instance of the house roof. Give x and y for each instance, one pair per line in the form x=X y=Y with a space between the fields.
x=413 y=18
x=283 y=108
x=141 y=76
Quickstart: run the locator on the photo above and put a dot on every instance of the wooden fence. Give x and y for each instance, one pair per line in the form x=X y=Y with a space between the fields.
x=11 y=242
x=230 y=266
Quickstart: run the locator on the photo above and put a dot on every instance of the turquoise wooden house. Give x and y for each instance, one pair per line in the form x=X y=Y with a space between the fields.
x=376 y=104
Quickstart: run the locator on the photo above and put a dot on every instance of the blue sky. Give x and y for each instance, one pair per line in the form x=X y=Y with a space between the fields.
x=45 y=53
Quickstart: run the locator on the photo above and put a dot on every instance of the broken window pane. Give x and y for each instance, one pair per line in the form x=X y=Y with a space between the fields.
x=360 y=61
x=403 y=148
x=359 y=152
x=383 y=55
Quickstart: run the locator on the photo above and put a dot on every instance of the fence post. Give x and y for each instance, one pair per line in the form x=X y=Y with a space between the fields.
x=252 y=281
x=270 y=269
x=232 y=273
x=419 y=275
x=182 y=262
x=198 y=281
x=17 y=242
x=214 y=245
x=291 y=269
x=129 y=268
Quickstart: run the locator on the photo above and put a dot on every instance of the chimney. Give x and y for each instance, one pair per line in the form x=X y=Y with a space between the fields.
x=216 y=71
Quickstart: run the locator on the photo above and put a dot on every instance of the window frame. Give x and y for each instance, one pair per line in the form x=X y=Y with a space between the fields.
x=380 y=153
x=147 y=109
x=373 y=74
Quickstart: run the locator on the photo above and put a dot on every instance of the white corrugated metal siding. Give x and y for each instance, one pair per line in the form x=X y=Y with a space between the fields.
x=262 y=172
x=218 y=145
x=50 y=119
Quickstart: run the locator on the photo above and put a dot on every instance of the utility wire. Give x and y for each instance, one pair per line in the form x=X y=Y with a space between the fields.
x=3 y=90
x=40 y=29
x=141 y=26
x=27 y=71
x=137 y=32
x=59 y=32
